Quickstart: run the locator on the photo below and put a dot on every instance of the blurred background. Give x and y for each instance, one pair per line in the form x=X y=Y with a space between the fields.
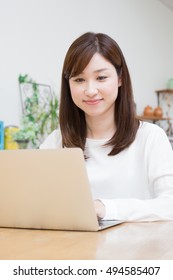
x=36 y=34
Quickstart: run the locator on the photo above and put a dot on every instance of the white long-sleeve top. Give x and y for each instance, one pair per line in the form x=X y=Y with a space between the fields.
x=136 y=184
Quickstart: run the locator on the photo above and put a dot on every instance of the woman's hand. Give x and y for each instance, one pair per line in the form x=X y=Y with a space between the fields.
x=100 y=209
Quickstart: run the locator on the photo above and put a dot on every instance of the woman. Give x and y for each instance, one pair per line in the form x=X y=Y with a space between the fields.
x=129 y=162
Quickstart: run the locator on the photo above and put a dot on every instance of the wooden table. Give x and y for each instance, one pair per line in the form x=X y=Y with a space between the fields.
x=126 y=241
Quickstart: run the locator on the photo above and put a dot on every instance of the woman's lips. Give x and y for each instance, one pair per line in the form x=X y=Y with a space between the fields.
x=93 y=102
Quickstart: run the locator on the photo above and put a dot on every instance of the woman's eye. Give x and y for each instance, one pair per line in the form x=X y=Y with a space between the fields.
x=79 y=80
x=101 y=78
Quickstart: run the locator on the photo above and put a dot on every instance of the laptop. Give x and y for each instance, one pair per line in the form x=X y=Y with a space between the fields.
x=47 y=189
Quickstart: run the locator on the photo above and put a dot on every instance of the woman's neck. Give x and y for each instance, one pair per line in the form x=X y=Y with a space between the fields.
x=100 y=128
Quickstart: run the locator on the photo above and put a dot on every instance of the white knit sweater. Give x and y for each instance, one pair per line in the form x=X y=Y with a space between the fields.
x=136 y=184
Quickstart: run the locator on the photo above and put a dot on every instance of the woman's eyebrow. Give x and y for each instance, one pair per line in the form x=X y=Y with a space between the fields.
x=97 y=71
x=100 y=70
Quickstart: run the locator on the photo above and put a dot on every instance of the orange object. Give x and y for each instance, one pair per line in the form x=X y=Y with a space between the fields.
x=158 y=112
x=148 y=111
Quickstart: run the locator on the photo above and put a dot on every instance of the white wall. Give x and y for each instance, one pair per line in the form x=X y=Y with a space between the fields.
x=35 y=35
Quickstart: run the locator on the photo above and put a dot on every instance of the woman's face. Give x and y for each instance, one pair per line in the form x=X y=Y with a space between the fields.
x=95 y=90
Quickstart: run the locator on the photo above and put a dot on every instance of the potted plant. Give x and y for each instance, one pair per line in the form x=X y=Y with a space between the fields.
x=26 y=133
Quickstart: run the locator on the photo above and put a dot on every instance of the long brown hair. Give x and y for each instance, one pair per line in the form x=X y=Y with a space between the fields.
x=71 y=118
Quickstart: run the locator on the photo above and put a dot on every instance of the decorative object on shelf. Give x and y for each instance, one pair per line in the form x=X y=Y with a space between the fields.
x=22 y=144
x=148 y=111
x=27 y=133
x=158 y=112
x=40 y=108
x=162 y=114
x=165 y=99
x=9 y=143
x=1 y=135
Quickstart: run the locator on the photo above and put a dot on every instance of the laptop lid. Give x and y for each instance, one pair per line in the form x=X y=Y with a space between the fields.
x=46 y=189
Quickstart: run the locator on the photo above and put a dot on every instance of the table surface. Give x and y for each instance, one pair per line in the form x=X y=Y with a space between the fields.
x=152 y=240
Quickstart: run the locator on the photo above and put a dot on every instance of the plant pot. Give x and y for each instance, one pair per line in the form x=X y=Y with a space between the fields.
x=22 y=144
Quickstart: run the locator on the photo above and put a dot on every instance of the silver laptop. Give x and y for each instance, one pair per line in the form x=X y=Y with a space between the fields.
x=46 y=189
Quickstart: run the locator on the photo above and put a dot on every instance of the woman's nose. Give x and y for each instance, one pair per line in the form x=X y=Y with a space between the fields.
x=91 y=89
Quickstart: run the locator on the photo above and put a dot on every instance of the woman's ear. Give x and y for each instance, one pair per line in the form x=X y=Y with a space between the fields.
x=119 y=82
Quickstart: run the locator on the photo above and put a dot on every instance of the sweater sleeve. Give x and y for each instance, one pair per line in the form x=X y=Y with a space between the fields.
x=158 y=155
